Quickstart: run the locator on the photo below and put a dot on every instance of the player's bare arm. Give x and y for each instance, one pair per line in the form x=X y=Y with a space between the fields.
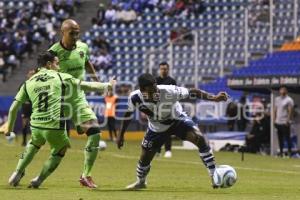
x=124 y=125
x=12 y=115
x=200 y=94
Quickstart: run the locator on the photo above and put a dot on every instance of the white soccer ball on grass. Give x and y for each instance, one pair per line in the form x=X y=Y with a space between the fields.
x=225 y=176
x=102 y=145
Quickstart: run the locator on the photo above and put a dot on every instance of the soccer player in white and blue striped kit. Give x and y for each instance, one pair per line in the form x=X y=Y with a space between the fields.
x=165 y=117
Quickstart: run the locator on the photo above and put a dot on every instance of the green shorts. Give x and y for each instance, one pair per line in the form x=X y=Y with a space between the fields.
x=57 y=139
x=79 y=111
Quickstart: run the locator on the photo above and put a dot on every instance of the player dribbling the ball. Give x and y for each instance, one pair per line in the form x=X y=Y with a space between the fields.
x=165 y=117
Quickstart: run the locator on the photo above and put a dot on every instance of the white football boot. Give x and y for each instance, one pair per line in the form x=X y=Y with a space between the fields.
x=15 y=178
x=137 y=185
x=168 y=154
x=35 y=183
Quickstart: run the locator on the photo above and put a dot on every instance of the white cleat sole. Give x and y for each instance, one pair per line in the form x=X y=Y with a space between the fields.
x=136 y=186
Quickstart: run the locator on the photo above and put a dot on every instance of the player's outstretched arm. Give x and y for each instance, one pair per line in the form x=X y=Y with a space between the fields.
x=97 y=86
x=12 y=115
x=200 y=94
x=124 y=125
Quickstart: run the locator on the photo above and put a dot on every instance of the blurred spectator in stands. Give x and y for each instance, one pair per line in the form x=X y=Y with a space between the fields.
x=110 y=14
x=259 y=134
x=259 y=12
x=126 y=16
x=48 y=8
x=283 y=111
x=195 y=7
x=101 y=60
x=3 y=67
x=242 y=120
x=181 y=36
x=102 y=44
x=99 y=19
x=167 y=6
x=152 y=4
x=231 y=114
x=65 y=5
x=23 y=26
x=137 y=5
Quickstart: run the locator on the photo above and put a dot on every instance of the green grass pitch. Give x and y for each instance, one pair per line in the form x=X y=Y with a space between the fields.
x=182 y=177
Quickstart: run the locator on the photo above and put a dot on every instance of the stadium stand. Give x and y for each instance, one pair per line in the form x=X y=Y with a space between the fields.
x=145 y=42
x=277 y=63
x=24 y=25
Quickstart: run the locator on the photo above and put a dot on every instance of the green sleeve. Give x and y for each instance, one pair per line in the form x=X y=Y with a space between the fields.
x=22 y=95
x=92 y=86
x=12 y=115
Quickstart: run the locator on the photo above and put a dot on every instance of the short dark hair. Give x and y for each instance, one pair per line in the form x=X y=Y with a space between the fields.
x=283 y=86
x=146 y=80
x=164 y=63
x=45 y=57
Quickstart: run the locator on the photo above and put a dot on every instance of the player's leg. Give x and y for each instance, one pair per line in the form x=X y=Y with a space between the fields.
x=280 y=138
x=168 y=147
x=92 y=130
x=59 y=142
x=32 y=148
x=205 y=152
x=113 y=125
x=25 y=129
x=84 y=118
x=150 y=144
x=287 y=135
x=187 y=130
x=110 y=128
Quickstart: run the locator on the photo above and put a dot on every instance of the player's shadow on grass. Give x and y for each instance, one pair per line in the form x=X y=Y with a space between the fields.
x=20 y=187
x=167 y=190
x=207 y=191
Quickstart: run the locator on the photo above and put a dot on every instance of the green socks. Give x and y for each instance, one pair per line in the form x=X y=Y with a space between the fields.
x=50 y=165
x=90 y=154
x=26 y=157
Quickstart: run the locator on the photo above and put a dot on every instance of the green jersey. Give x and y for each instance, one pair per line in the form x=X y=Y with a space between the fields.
x=47 y=90
x=72 y=61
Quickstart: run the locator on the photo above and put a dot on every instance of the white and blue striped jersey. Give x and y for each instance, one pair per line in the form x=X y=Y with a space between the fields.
x=164 y=111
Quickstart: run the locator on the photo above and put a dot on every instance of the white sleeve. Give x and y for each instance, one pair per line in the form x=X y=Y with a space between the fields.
x=181 y=92
x=291 y=102
x=175 y=92
x=130 y=105
x=276 y=102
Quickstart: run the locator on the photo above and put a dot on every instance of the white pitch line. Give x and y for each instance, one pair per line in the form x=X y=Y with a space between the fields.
x=176 y=161
x=197 y=163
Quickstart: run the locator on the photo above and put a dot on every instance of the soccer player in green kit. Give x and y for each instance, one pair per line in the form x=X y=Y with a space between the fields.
x=74 y=60
x=47 y=90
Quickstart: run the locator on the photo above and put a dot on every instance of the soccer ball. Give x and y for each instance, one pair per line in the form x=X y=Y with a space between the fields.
x=225 y=176
x=102 y=145
x=11 y=137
